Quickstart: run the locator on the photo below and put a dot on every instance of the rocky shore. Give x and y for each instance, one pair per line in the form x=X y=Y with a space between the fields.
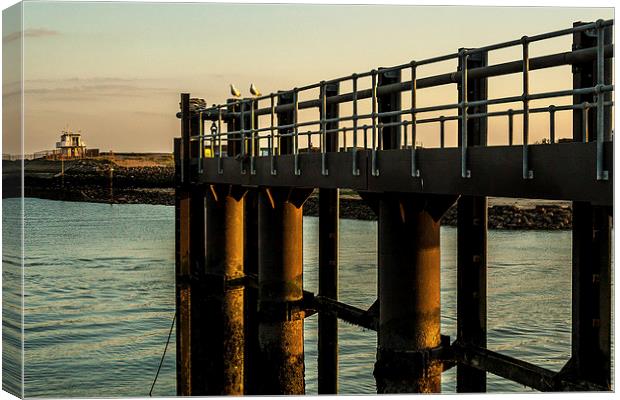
x=501 y=216
x=108 y=181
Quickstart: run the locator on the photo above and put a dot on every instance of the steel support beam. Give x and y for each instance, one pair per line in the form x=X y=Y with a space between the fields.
x=409 y=293
x=223 y=336
x=472 y=246
x=591 y=286
x=591 y=293
x=280 y=291
x=328 y=264
x=516 y=370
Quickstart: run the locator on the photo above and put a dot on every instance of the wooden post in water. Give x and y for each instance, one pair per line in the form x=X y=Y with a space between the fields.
x=591 y=287
x=472 y=246
x=198 y=323
x=183 y=257
x=328 y=262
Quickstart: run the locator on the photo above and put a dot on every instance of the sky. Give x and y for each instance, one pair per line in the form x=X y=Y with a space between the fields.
x=115 y=70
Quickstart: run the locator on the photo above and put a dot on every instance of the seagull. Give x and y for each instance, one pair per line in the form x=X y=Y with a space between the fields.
x=234 y=91
x=254 y=90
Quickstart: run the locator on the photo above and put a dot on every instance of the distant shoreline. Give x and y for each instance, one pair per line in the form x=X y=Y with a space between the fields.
x=151 y=182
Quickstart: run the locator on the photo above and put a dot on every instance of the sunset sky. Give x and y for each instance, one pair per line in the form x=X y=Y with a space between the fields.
x=115 y=70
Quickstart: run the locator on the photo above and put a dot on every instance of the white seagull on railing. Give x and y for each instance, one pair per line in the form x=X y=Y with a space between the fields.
x=234 y=91
x=254 y=90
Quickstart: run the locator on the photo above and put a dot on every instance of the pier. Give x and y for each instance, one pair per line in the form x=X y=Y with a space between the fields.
x=245 y=168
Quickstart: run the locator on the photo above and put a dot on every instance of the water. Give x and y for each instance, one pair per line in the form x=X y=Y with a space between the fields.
x=99 y=299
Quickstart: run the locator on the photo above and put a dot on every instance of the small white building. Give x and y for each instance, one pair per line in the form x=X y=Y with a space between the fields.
x=71 y=144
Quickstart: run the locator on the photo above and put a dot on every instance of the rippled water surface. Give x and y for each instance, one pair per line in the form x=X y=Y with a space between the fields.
x=99 y=299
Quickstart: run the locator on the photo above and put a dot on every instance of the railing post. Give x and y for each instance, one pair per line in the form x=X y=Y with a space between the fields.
x=463 y=112
x=591 y=287
x=472 y=245
x=391 y=136
x=285 y=145
x=251 y=123
x=233 y=142
x=328 y=261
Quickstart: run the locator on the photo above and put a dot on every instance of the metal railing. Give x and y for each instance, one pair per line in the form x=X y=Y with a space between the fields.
x=251 y=137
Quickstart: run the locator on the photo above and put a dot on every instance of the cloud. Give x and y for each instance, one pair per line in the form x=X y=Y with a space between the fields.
x=96 y=88
x=29 y=33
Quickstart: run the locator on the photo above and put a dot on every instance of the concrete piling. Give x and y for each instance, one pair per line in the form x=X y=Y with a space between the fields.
x=224 y=338
x=409 y=293
x=280 y=291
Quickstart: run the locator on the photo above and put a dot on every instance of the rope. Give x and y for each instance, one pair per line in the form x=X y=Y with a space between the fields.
x=161 y=362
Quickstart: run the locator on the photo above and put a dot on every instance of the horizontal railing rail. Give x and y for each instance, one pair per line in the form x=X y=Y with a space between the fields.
x=366 y=127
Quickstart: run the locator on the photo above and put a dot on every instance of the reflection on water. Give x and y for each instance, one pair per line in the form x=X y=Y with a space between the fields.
x=99 y=287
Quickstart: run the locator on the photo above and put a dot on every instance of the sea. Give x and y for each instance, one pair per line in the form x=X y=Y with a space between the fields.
x=98 y=299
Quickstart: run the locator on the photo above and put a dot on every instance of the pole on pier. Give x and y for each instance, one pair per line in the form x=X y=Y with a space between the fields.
x=223 y=286
x=591 y=287
x=390 y=102
x=328 y=263
x=190 y=257
x=280 y=291
x=409 y=293
x=250 y=246
x=472 y=246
